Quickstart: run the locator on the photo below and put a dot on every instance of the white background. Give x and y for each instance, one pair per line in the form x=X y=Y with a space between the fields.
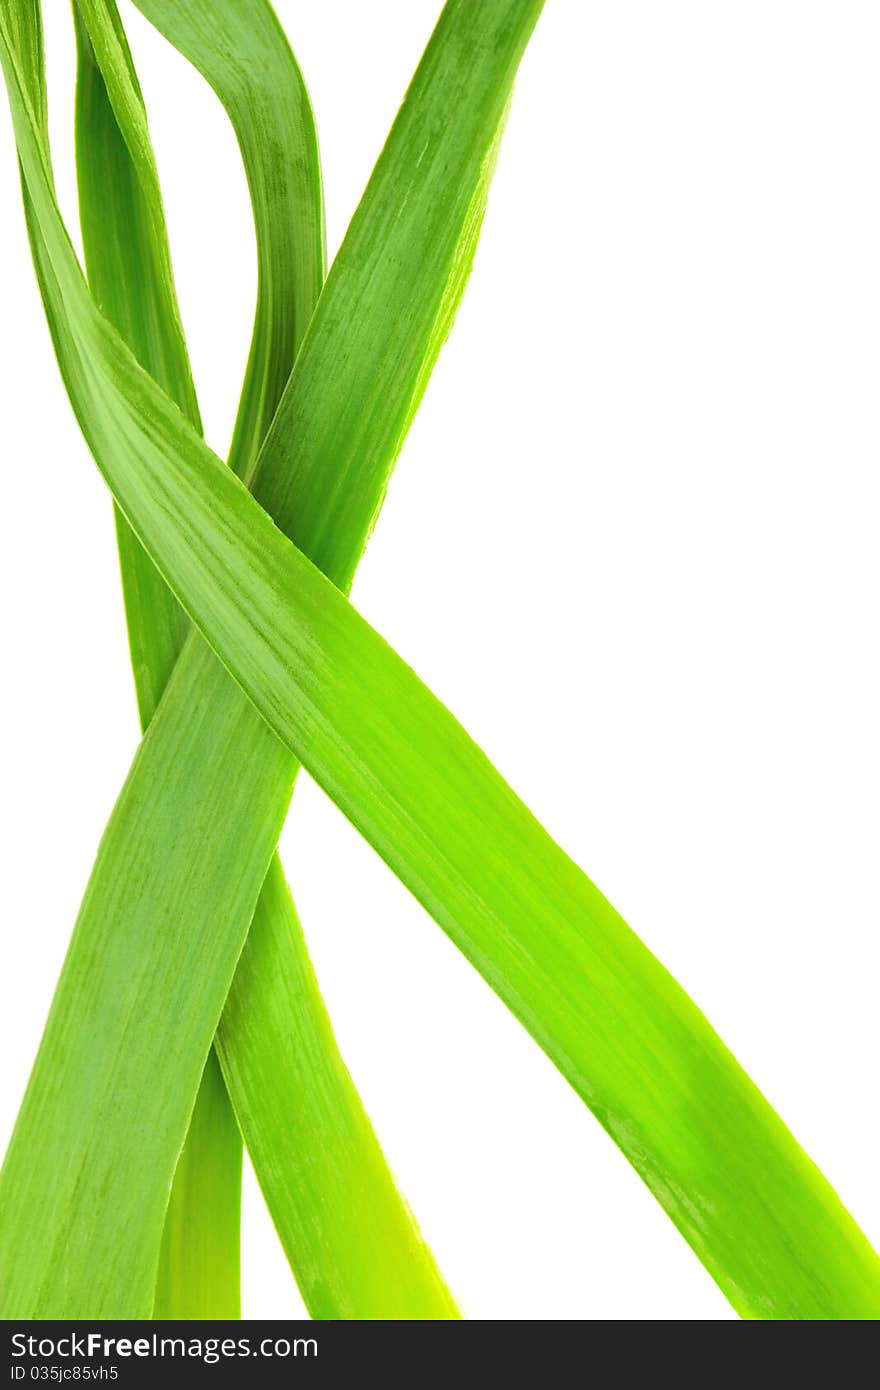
x=632 y=541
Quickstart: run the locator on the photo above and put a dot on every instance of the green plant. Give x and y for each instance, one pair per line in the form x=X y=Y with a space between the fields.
x=281 y=670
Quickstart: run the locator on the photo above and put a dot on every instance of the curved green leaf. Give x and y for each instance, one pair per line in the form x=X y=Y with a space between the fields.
x=355 y=1249
x=123 y=226
x=129 y=269
x=240 y=49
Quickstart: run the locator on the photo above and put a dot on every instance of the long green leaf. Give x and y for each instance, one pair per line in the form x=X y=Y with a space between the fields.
x=240 y=49
x=198 y=1273
x=123 y=226
x=243 y=53
x=129 y=270
x=753 y=1206
x=238 y=795
x=355 y=1249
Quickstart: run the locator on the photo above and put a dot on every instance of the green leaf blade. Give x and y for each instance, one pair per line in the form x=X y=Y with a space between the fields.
x=198 y=1274
x=123 y=232
x=241 y=51
x=286 y=1051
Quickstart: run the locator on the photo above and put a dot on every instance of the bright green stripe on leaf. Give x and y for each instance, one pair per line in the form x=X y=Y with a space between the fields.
x=129 y=269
